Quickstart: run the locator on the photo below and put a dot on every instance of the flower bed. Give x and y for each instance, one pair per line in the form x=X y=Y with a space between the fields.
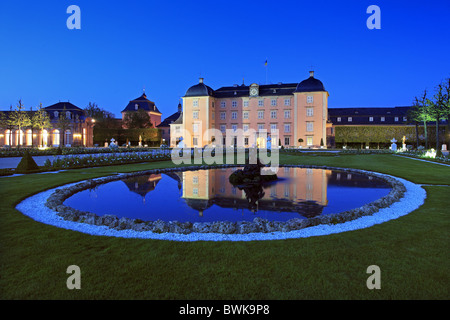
x=93 y=160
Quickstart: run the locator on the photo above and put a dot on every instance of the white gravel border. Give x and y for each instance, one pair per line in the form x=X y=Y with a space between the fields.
x=34 y=207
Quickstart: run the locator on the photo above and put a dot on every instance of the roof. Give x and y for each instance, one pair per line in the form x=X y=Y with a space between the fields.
x=199 y=90
x=143 y=103
x=361 y=115
x=170 y=119
x=179 y=120
x=310 y=85
x=61 y=105
x=280 y=89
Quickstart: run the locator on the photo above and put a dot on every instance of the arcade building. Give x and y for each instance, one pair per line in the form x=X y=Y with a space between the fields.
x=77 y=131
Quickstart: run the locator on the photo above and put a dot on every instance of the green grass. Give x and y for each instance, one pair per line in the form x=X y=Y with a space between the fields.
x=412 y=251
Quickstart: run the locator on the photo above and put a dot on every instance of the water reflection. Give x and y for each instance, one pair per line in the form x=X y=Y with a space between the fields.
x=207 y=195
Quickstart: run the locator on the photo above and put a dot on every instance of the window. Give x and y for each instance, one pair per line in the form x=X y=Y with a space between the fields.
x=245 y=127
x=195 y=180
x=260 y=103
x=273 y=102
x=68 y=115
x=234 y=115
x=350 y=119
x=260 y=114
x=371 y=119
x=287 y=114
x=223 y=116
x=338 y=119
x=404 y=118
x=382 y=119
x=309 y=141
x=309 y=112
x=195 y=115
x=195 y=103
x=195 y=141
x=260 y=126
x=246 y=103
x=273 y=114
x=287 y=102
x=56 y=114
x=195 y=191
x=223 y=104
x=222 y=128
x=245 y=115
x=136 y=106
x=396 y=119
x=309 y=126
x=309 y=99
x=287 y=141
x=195 y=127
x=246 y=141
x=233 y=104
x=234 y=127
x=273 y=126
x=287 y=127
x=177 y=129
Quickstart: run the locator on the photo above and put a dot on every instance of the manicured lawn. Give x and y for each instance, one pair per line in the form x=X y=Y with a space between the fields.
x=412 y=252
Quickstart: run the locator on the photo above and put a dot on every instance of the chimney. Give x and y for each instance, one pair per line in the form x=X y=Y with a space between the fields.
x=200 y=80
x=311 y=74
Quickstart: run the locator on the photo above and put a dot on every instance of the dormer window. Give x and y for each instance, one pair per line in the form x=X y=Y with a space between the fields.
x=136 y=106
x=56 y=113
x=68 y=115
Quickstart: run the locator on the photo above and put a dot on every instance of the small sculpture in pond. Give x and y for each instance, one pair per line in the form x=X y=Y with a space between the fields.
x=251 y=174
x=251 y=181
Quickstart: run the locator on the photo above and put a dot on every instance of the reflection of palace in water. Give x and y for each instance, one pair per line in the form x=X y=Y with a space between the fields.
x=142 y=184
x=301 y=190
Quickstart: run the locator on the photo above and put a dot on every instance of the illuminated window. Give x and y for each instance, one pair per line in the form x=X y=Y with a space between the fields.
x=309 y=141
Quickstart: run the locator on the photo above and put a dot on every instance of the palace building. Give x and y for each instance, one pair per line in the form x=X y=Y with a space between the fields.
x=142 y=103
x=76 y=130
x=284 y=114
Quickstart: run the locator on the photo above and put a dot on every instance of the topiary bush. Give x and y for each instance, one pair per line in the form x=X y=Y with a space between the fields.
x=27 y=164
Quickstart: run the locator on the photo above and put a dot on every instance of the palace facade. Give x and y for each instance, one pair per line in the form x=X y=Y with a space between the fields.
x=283 y=114
x=77 y=131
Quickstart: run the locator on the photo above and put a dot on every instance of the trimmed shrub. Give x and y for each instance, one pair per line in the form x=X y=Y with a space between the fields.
x=27 y=164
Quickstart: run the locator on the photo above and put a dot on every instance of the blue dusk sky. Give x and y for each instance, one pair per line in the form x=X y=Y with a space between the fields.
x=165 y=46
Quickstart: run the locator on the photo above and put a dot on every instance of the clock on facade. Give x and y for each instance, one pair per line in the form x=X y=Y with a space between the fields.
x=253 y=90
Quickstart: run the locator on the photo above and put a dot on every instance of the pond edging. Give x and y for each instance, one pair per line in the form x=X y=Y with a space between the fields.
x=258 y=225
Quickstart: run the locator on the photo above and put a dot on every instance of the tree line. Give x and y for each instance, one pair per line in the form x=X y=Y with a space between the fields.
x=433 y=107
